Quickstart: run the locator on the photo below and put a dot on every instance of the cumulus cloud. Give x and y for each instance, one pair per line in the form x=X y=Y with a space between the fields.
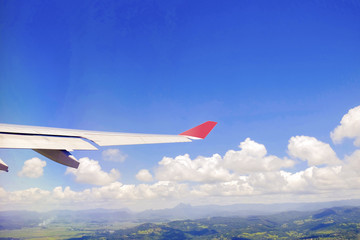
x=247 y=175
x=239 y=187
x=312 y=150
x=113 y=155
x=33 y=168
x=201 y=169
x=314 y=181
x=160 y=189
x=349 y=127
x=90 y=172
x=253 y=158
x=353 y=161
x=144 y=175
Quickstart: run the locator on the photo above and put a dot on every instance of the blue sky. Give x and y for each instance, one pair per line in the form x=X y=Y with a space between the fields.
x=265 y=70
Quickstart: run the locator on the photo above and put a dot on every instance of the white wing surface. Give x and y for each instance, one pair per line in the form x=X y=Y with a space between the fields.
x=55 y=143
x=43 y=142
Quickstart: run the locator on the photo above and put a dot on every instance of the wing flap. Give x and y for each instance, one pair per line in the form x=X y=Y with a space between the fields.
x=43 y=142
x=61 y=156
x=3 y=166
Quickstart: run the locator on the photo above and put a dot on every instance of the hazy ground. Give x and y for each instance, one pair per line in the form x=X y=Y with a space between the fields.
x=185 y=222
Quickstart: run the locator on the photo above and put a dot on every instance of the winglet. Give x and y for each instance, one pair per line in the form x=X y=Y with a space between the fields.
x=200 y=131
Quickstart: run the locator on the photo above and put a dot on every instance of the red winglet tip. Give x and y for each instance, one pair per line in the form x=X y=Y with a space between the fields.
x=200 y=131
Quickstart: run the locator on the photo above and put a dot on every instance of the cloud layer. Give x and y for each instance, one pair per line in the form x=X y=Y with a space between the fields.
x=249 y=174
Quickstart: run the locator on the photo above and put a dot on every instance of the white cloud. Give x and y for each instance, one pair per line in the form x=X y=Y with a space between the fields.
x=351 y=169
x=238 y=187
x=90 y=172
x=201 y=169
x=2 y=193
x=349 y=127
x=247 y=175
x=253 y=158
x=31 y=195
x=144 y=175
x=113 y=155
x=328 y=178
x=312 y=150
x=109 y=196
x=131 y=192
x=353 y=161
x=33 y=168
x=330 y=182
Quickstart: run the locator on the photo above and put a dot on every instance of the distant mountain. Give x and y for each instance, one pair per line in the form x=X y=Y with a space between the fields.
x=333 y=223
x=20 y=219
x=93 y=215
x=186 y=211
x=24 y=219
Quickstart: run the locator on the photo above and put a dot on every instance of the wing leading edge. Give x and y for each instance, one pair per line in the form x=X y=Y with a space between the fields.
x=55 y=143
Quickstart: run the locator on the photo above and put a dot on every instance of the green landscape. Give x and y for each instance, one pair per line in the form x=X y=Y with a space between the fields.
x=330 y=223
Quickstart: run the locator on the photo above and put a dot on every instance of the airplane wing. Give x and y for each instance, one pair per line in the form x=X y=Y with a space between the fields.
x=56 y=143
